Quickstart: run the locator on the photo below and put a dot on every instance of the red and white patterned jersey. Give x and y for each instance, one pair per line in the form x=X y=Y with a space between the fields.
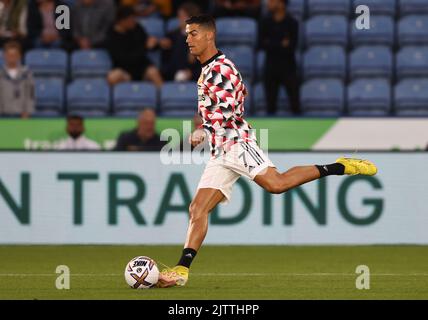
x=221 y=95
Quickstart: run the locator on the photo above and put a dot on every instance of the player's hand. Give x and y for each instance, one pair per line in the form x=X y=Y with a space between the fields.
x=197 y=137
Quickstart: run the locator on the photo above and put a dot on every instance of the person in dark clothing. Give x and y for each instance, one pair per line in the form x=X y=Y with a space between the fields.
x=177 y=63
x=42 y=32
x=237 y=8
x=278 y=36
x=128 y=44
x=142 y=138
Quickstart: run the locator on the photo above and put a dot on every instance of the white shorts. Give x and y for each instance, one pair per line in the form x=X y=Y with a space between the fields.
x=243 y=159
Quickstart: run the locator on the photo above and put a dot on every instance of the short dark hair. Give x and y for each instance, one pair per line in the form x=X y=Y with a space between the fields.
x=204 y=20
x=12 y=45
x=124 y=12
x=74 y=117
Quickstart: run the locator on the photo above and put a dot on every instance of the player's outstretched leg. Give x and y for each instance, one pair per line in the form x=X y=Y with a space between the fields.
x=274 y=182
x=205 y=201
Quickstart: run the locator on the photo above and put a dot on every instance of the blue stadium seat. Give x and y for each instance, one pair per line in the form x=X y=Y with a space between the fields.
x=369 y=97
x=153 y=26
x=130 y=98
x=259 y=101
x=316 y=7
x=413 y=30
x=297 y=8
x=49 y=94
x=155 y=57
x=179 y=99
x=411 y=97
x=90 y=63
x=243 y=58
x=378 y=7
x=88 y=97
x=172 y=24
x=412 y=62
x=407 y=7
x=381 y=32
x=324 y=61
x=236 y=31
x=322 y=97
x=1 y=58
x=47 y=62
x=326 y=29
x=371 y=61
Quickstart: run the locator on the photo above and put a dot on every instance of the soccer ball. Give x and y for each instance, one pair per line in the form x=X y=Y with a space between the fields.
x=141 y=273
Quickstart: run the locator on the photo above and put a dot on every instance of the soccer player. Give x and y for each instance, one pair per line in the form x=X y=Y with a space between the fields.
x=235 y=153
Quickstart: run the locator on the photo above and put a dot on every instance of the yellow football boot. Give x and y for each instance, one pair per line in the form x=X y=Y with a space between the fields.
x=355 y=166
x=176 y=276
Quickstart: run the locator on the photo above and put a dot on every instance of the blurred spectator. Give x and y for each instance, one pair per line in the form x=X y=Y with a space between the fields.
x=13 y=20
x=204 y=5
x=234 y=8
x=177 y=63
x=42 y=32
x=91 y=21
x=76 y=140
x=16 y=83
x=146 y=8
x=142 y=138
x=128 y=43
x=278 y=36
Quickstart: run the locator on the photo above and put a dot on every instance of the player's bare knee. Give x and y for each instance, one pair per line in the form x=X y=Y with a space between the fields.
x=274 y=188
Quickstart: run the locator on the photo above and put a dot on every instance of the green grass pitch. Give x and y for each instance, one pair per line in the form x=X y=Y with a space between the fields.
x=219 y=272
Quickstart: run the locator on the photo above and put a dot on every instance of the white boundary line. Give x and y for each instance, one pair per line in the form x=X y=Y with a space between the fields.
x=223 y=274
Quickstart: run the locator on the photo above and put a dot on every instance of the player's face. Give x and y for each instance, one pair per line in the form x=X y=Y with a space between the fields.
x=197 y=39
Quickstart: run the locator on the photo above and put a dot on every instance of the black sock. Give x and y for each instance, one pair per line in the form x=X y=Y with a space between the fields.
x=187 y=257
x=336 y=169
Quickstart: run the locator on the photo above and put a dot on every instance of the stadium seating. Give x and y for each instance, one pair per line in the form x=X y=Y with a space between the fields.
x=413 y=30
x=130 y=98
x=326 y=29
x=49 y=93
x=322 y=97
x=324 y=61
x=88 y=97
x=259 y=101
x=297 y=8
x=90 y=64
x=378 y=7
x=236 y=31
x=411 y=97
x=412 y=62
x=316 y=7
x=381 y=32
x=371 y=61
x=178 y=99
x=407 y=7
x=153 y=26
x=172 y=24
x=369 y=97
x=243 y=57
x=47 y=62
x=155 y=56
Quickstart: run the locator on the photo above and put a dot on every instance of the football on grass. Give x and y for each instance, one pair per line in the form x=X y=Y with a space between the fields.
x=141 y=273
